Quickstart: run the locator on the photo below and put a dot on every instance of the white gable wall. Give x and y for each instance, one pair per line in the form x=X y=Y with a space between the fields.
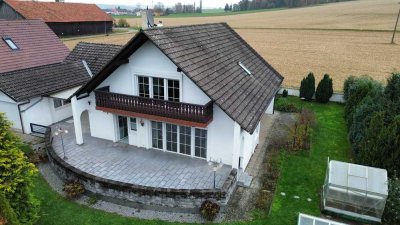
x=10 y=108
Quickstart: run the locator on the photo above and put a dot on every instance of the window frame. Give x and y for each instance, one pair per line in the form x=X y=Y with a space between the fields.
x=164 y=88
x=203 y=142
x=9 y=41
x=130 y=124
x=63 y=103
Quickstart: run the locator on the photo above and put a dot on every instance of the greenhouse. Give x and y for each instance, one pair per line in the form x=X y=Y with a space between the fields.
x=312 y=220
x=355 y=191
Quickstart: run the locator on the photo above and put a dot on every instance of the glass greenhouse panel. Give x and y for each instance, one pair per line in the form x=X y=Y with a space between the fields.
x=312 y=220
x=356 y=191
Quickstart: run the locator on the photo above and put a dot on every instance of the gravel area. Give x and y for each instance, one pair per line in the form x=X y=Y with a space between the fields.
x=57 y=185
x=242 y=201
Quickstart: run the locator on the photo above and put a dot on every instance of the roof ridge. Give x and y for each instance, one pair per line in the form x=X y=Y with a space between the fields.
x=183 y=26
x=38 y=67
x=94 y=43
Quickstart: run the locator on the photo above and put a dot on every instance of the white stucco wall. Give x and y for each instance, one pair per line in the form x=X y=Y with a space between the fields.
x=270 y=109
x=41 y=111
x=10 y=108
x=223 y=134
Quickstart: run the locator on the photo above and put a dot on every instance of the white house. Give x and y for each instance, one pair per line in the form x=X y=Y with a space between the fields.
x=195 y=90
x=38 y=74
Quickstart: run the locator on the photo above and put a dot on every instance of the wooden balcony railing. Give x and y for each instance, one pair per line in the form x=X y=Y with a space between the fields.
x=162 y=108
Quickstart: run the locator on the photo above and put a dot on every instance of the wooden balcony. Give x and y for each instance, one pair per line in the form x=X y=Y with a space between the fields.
x=155 y=109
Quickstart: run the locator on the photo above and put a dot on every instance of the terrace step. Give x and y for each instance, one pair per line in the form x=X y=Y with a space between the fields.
x=244 y=180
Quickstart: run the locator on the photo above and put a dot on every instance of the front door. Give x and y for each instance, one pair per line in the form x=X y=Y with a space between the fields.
x=122 y=127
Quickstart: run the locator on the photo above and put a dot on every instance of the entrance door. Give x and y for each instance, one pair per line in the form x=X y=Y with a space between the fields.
x=122 y=127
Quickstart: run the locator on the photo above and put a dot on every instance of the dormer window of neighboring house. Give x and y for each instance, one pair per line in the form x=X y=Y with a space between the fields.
x=159 y=88
x=11 y=43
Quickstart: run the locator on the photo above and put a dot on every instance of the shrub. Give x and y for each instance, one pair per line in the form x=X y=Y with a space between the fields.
x=209 y=210
x=391 y=214
x=381 y=145
x=324 y=89
x=16 y=175
x=307 y=87
x=7 y=214
x=361 y=119
x=122 y=23
x=285 y=93
x=73 y=189
x=357 y=89
x=301 y=131
x=283 y=105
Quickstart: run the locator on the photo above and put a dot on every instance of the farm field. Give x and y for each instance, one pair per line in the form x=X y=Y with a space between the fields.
x=347 y=38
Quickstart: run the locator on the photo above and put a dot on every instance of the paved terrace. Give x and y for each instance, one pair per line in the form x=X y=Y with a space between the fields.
x=130 y=164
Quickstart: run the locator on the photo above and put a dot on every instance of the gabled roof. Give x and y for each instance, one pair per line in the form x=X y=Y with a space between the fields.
x=37 y=44
x=95 y=55
x=215 y=58
x=44 y=80
x=59 y=11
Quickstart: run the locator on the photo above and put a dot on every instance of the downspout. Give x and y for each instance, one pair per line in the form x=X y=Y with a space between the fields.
x=21 y=111
x=20 y=115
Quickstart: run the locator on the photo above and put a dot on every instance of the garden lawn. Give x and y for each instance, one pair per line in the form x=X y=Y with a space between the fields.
x=302 y=174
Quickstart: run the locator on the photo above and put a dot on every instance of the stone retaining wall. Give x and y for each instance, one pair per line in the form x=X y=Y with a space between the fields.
x=163 y=197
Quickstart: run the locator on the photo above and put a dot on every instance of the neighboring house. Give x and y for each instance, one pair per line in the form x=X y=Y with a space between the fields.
x=64 y=19
x=35 y=82
x=196 y=90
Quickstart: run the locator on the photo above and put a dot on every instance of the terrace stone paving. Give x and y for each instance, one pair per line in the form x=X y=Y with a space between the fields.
x=139 y=166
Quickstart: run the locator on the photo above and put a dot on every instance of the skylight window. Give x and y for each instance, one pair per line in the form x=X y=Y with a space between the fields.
x=11 y=43
x=245 y=68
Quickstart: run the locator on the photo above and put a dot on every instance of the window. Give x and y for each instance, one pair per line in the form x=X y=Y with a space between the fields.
x=157 y=134
x=185 y=140
x=59 y=102
x=158 y=88
x=144 y=87
x=245 y=68
x=133 y=124
x=173 y=90
x=200 y=143
x=11 y=43
x=172 y=137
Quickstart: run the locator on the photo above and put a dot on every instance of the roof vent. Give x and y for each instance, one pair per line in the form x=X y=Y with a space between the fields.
x=245 y=68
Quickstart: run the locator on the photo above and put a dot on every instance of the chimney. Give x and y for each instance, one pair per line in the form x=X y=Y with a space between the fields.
x=148 y=19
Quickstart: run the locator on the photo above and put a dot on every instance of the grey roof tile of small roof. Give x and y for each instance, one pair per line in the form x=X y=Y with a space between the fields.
x=209 y=54
x=44 y=80
x=96 y=55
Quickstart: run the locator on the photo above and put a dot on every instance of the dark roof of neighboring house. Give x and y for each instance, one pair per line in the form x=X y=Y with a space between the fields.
x=37 y=44
x=59 y=11
x=209 y=54
x=44 y=80
x=95 y=55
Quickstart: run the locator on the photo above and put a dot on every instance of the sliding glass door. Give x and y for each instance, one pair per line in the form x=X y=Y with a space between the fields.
x=180 y=139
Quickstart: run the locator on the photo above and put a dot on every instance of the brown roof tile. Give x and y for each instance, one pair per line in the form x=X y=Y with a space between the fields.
x=37 y=44
x=59 y=11
x=44 y=80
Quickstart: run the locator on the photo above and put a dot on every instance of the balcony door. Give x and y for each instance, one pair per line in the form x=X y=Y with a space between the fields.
x=123 y=127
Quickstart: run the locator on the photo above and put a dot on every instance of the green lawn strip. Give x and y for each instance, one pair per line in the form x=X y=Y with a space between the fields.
x=303 y=173
x=204 y=14
x=56 y=209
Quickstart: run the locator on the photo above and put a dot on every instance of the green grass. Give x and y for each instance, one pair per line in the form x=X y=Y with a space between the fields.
x=302 y=174
x=206 y=13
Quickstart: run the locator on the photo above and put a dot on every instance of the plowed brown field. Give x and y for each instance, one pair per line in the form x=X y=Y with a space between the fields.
x=348 y=38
